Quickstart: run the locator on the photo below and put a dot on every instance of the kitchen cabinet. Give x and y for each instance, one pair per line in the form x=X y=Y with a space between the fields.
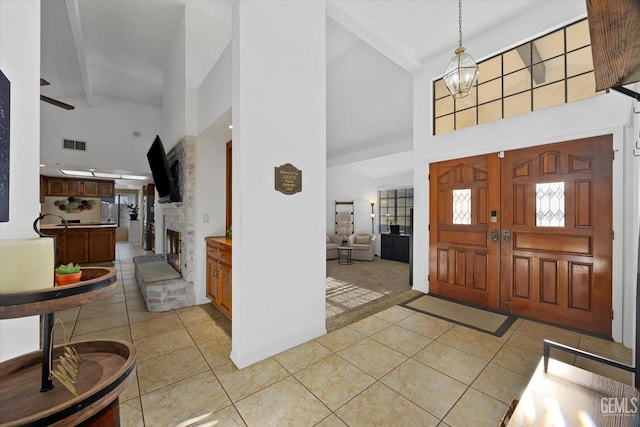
x=90 y=188
x=219 y=287
x=84 y=244
x=106 y=189
x=65 y=187
x=55 y=187
x=74 y=247
x=102 y=245
x=395 y=247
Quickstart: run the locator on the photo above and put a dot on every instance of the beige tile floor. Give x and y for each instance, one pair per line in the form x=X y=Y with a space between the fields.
x=397 y=367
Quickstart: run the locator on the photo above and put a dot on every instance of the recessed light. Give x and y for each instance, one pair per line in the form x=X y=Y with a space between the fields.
x=42 y=165
x=92 y=170
x=230 y=126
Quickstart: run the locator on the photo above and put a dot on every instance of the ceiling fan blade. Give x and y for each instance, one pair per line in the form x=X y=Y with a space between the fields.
x=43 y=82
x=56 y=102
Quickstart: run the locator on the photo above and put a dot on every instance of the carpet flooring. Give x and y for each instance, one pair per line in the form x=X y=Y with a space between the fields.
x=364 y=288
x=476 y=318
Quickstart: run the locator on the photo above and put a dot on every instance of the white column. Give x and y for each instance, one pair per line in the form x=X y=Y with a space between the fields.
x=279 y=116
x=20 y=63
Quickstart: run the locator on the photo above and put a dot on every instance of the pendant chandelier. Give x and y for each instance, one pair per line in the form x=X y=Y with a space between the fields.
x=462 y=72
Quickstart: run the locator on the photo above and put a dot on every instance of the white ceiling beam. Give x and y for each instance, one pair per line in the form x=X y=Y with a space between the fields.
x=369 y=36
x=78 y=40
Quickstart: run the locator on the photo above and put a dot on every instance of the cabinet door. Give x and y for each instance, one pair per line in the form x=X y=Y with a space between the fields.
x=90 y=189
x=102 y=245
x=224 y=279
x=55 y=187
x=74 y=247
x=105 y=189
x=74 y=187
x=43 y=188
x=386 y=247
x=212 y=280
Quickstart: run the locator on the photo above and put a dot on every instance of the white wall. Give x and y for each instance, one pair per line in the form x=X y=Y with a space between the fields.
x=344 y=185
x=214 y=94
x=604 y=114
x=174 y=96
x=20 y=62
x=107 y=128
x=210 y=201
x=279 y=116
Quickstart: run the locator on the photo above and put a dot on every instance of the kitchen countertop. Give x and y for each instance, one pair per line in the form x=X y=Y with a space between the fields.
x=75 y=225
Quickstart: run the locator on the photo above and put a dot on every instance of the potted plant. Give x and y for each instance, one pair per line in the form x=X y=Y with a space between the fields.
x=393 y=225
x=68 y=274
x=133 y=211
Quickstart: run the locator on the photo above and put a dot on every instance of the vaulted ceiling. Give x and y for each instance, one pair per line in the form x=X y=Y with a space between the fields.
x=117 y=49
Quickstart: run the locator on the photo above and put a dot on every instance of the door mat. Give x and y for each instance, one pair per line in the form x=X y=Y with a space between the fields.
x=476 y=318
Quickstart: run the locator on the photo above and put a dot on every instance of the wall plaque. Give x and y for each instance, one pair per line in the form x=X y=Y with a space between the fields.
x=288 y=179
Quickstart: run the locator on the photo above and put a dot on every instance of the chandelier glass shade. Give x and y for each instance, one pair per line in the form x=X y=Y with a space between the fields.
x=462 y=72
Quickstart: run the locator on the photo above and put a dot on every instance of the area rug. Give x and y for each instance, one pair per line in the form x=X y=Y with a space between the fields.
x=476 y=318
x=364 y=288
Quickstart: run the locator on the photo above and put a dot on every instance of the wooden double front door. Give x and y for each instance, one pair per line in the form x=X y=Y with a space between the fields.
x=527 y=231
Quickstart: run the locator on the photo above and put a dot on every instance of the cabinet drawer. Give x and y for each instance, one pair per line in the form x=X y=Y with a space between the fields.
x=212 y=252
x=224 y=255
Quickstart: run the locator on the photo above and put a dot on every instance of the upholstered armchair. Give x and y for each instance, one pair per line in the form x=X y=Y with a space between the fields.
x=333 y=241
x=363 y=245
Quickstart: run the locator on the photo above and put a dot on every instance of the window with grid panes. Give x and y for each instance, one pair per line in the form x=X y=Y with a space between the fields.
x=395 y=203
x=553 y=69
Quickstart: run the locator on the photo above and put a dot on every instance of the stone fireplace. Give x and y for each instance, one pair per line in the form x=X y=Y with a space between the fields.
x=176 y=220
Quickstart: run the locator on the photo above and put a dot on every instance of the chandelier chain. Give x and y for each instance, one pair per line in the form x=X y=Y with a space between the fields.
x=460 y=23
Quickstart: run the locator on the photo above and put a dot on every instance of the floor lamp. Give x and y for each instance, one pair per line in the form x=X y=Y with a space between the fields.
x=372 y=215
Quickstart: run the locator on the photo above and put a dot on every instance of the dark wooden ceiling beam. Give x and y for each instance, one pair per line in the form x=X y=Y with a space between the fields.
x=614 y=26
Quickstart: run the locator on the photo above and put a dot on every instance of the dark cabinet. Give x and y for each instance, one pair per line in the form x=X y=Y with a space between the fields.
x=74 y=247
x=102 y=245
x=64 y=187
x=395 y=247
x=85 y=245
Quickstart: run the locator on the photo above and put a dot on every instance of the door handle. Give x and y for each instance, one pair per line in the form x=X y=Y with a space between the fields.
x=493 y=235
x=506 y=235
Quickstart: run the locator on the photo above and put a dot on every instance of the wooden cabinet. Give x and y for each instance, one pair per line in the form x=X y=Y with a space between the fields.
x=106 y=189
x=90 y=188
x=55 y=187
x=219 y=272
x=395 y=247
x=102 y=245
x=149 y=190
x=64 y=187
x=43 y=188
x=74 y=188
x=81 y=245
x=74 y=247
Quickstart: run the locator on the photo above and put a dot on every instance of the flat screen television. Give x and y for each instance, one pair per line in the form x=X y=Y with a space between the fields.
x=161 y=173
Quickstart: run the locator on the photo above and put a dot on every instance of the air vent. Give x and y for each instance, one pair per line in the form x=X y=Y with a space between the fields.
x=74 y=145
